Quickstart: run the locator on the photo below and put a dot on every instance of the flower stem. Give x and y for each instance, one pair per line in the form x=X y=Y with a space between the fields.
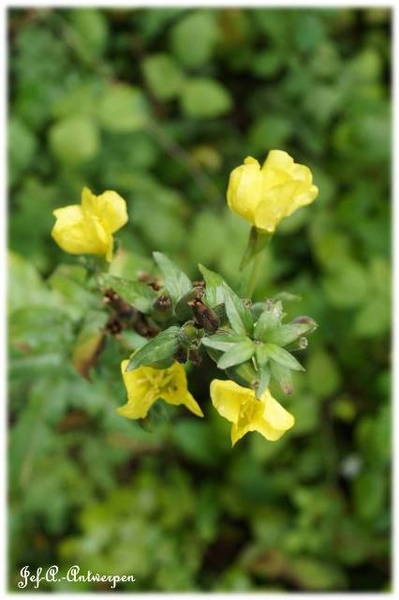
x=254 y=275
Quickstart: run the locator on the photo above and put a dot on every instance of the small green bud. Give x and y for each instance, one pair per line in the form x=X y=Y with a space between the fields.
x=304 y=320
x=189 y=334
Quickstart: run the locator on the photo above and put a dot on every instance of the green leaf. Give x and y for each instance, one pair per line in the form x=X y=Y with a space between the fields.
x=123 y=109
x=21 y=147
x=261 y=354
x=139 y=295
x=40 y=329
x=285 y=334
x=176 y=282
x=77 y=101
x=239 y=315
x=89 y=343
x=213 y=291
x=91 y=31
x=223 y=341
x=346 y=286
x=282 y=357
x=268 y=321
x=323 y=373
x=273 y=127
x=74 y=140
x=194 y=36
x=164 y=77
x=204 y=98
x=265 y=374
x=237 y=354
x=71 y=291
x=283 y=376
x=369 y=492
x=160 y=348
x=23 y=277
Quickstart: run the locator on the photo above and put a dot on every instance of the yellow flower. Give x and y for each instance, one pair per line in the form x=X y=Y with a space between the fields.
x=264 y=196
x=145 y=385
x=87 y=228
x=240 y=406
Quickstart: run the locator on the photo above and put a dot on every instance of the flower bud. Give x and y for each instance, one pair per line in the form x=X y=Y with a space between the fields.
x=264 y=196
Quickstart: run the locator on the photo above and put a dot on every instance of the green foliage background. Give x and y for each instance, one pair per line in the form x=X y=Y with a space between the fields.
x=160 y=105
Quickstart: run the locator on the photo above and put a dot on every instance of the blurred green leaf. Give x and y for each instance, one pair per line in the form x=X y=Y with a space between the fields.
x=74 y=140
x=204 y=98
x=91 y=30
x=193 y=37
x=21 y=148
x=122 y=108
x=323 y=373
x=23 y=277
x=140 y=295
x=346 y=286
x=369 y=490
x=163 y=75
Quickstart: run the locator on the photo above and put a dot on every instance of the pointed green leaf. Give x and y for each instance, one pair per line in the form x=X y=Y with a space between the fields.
x=284 y=358
x=264 y=380
x=282 y=375
x=268 y=320
x=160 y=348
x=140 y=295
x=223 y=341
x=262 y=355
x=237 y=354
x=213 y=291
x=176 y=282
x=287 y=333
x=239 y=315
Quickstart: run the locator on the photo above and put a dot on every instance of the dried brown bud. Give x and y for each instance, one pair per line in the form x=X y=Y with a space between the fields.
x=205 y=317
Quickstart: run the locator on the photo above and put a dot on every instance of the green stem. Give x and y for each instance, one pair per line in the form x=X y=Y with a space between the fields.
x=254 y=275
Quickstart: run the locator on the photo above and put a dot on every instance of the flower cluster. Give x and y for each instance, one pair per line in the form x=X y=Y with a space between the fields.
x=183 y=320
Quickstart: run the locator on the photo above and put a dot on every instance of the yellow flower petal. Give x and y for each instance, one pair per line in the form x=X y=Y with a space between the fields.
x=88 y=228
x=141 y=395
x=245 y=188
x=227 y=397
x=240 y=406
x=278 y=159
x=275 y=420
x=75 y=233
x=266 y=196
x=145 y=385
x=109 y=207
x=177 y=393
x=275 y=414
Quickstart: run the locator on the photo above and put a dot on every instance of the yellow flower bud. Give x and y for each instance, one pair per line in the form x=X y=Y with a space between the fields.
x=87 y=228
x=264 y=196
